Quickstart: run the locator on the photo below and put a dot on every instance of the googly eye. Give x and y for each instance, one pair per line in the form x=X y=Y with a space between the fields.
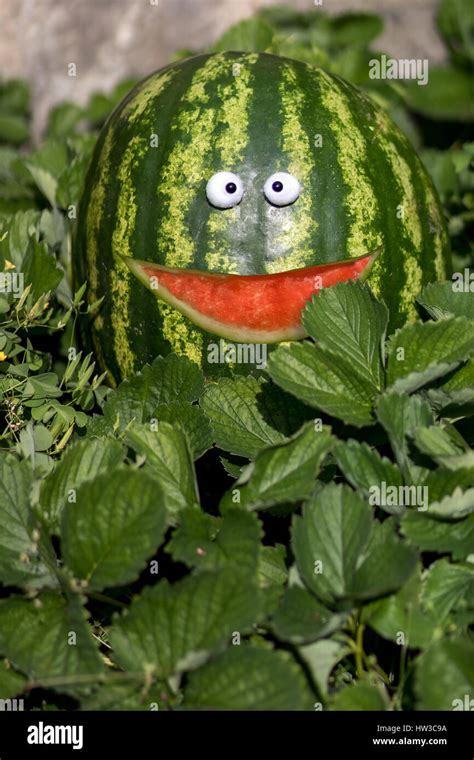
x=281 y=189
x=224 y=190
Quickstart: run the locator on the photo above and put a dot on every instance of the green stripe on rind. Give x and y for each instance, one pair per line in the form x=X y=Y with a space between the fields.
x=234 y=111
x=407 y=215
x=95 y=212
x=437 y=229
x=295 y=145
x=143 y=96
x=186 y=170
x=422 y=251
x=187 y=165
x=361 y=200
x=389 y=156
x=232 y=98
x=157 y=103
x=126 y=211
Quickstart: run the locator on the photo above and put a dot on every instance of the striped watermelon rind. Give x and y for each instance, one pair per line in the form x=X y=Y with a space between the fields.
x=363 y=186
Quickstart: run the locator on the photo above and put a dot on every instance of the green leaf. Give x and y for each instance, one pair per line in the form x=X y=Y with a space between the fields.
x=43 y=386
x=42 y=438
x=63 y=119
x=168 y=460
x=301 y=618
x=248 y=678
x=436 y=442
x=238 y=423
x=432 y=535
x=11 y=682
x=447 y=585
x=343 y=554
x=364 y=468
x=13 y=129
x=40 y=270
x=125 y=696
x=461 y=461
x=400 y=415
x=419 y=612
x=349 y=322
x=321 y=658
x=165 y=381
x=45 y=167
x=233 y=465
x=462 y=379
x=49 y=641
x=422 y=352
x=456 y=23
x=401 y=618
x=20 y=560
x=71 y=181
x=195 y=537
x=444 y=445
x=171 y=629
x=440 y=165
x=386 y=563
x=442 y=300
x=455 y=397
x=112 y=529
x=355 y=28
x=20 y=228
x=317 y=378
x=284 y=473
x=448 y=96
x=251 y=35
x=272 y=574
x=444 y=677
x=361 y=696
x=193 y=421
x=442 y=482
x=81 y=462
x=15 y=96
x=206 y=542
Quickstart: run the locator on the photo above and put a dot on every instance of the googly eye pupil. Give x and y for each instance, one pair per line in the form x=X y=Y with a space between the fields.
x=231 y=187
x=277 y=186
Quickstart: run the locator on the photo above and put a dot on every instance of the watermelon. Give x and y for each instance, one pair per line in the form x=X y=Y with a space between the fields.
x=245 y=166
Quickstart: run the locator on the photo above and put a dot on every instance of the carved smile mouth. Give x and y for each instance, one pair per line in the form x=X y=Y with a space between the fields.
x=262 y=308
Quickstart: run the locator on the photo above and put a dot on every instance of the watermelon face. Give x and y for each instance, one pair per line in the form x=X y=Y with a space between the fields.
x=247 y=165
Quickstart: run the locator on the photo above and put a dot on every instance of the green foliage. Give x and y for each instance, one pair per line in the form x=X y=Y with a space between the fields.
x=176 y=628
x=330 y=560
x=112 y=528
x=248 y=678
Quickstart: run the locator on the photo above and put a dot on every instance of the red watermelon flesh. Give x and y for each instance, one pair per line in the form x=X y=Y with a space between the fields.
x=262 y=308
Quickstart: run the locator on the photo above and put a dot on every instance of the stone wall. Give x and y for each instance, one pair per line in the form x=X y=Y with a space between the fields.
x=108 y=40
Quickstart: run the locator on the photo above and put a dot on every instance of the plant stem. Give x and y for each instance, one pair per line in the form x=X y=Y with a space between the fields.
x=359 y=650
